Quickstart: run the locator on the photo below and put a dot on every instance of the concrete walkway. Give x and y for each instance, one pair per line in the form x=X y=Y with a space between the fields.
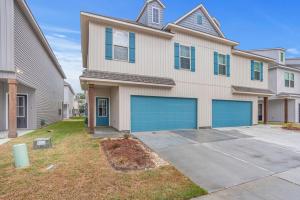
x=4 y=135
x=234 y=163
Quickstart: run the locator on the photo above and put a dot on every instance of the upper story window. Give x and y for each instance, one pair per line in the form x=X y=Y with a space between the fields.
x=199 y=19
x=281 y=57
x=185 y=57
x=289 y=79
x=155 y=15
x=120 y=45
x=257 y=71
x=222 y=64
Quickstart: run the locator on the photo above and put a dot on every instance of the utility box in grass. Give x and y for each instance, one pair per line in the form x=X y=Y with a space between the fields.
x=42 y=143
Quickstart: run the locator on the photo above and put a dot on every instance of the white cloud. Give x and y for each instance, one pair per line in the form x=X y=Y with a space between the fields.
x=59 y=29
x=293 y=51
x=68 y=53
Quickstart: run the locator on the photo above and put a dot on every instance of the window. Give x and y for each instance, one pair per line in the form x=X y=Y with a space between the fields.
x=121 y=45
x=281 y=56
x=289 y=79
x=222 y=64
x=155 y=15
x=102 y=108
x=20 y=106
x=256 y=71
x=199 y=19
x=185 y=57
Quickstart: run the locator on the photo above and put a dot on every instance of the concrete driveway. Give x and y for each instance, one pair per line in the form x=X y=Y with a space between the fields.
x=234 y=163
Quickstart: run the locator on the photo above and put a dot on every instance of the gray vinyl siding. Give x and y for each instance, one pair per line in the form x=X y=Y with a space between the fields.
x=6 y=35
x=191 y=23
x=37 y=71
x=147 y=15
x=2 y=106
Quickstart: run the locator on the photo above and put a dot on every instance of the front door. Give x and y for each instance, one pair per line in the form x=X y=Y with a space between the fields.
x=102 y=111
x=21 y=111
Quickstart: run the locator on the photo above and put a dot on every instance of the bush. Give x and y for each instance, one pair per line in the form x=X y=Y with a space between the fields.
x=86 y=121
x=43 y=123
x=126 y=136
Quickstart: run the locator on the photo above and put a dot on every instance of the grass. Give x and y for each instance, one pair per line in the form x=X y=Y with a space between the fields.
x=82 y=171
x=291 y=126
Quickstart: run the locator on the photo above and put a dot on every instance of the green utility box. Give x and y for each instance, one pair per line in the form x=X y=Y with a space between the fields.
x=21 y=155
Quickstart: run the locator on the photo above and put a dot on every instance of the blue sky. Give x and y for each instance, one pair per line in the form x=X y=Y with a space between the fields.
x=253 y=23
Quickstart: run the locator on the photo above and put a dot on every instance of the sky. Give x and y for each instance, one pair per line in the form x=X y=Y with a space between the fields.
x=252 y=23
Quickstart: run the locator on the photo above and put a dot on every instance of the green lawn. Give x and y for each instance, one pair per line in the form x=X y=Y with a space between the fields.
x=82 y=171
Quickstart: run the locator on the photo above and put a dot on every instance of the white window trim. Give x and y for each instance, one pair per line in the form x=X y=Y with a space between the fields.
x=113 y=50
x=283 y=55
x=22 y=97
x=289 y=79
x=101 y=99
x=259 y=70
x=222 y=64
x=185 y=57
x=197 y=19
x=155 y=8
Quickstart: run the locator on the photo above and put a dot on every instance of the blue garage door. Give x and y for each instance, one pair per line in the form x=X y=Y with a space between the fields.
x=160 y=113
x=231 y=113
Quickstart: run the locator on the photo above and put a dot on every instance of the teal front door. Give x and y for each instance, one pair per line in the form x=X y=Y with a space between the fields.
x=102 y=111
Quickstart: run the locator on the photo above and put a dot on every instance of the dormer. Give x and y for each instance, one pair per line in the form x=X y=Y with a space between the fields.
x=152 y=14
x=278 y=54
x=199 y=19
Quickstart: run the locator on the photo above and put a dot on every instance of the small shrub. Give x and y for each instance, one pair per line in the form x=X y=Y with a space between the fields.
x=126 y=136
x=43 y=123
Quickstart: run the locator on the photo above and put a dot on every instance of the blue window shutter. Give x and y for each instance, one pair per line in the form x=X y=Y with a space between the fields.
x=132 y=47
x=176 y=55
x=216 y=60
x=228 y=65
x=252 y=69
x=193 y=59
x=261 y=71
x=108 y=43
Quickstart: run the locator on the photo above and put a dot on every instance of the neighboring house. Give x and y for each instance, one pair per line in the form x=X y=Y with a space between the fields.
x=284 y=78
x=146 y=76
x=31 y=79
x=69 y=96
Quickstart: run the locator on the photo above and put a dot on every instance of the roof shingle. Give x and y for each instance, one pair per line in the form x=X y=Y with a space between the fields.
x=127 y=77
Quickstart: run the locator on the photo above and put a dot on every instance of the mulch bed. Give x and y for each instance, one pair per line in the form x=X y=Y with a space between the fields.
x=127 y=154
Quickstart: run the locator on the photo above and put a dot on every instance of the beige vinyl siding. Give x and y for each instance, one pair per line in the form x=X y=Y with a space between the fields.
x=203 y=93
x=6 y=35
x=38 y=71
x=155 y=57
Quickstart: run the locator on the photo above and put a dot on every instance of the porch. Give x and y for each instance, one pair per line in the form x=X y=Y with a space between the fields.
x=17 y=110
x=282 y=108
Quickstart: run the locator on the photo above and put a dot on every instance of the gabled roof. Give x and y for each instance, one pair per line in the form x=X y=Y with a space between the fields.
x=36 y=28
x=145 y=5
x=203 y=9
x=69 y=86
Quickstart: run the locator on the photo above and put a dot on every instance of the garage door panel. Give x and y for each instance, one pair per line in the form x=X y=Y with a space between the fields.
x=231 y=113
x=162 y=113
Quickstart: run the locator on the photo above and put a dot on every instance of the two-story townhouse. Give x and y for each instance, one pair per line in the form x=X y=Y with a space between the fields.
x=146 y=76
x=284 y=77
x=69 y=96
x=31 y=79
